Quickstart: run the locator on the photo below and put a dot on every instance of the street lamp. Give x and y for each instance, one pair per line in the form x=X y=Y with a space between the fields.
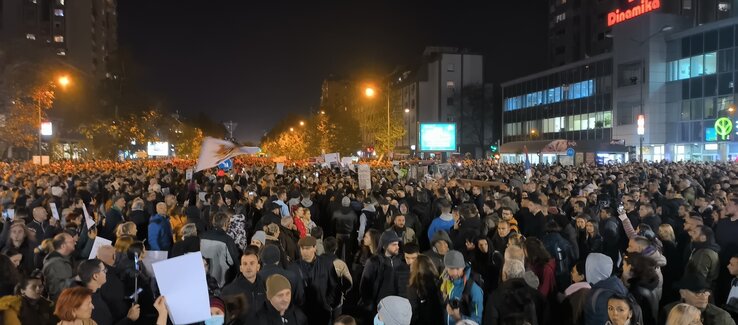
x=292 y=129
x=322 y=112
x=407 y=110
x=62 y=81
x=302 y=123
x=370 y=92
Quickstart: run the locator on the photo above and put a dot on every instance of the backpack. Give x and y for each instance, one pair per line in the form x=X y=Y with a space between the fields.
x=466 y=299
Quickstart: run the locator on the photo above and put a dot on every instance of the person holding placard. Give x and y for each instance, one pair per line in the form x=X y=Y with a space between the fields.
x=41 y=224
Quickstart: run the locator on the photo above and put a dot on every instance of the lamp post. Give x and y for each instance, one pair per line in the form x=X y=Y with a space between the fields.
x=63 y=81
x=371 y=92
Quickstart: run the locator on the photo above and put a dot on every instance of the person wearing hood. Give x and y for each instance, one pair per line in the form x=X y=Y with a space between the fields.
x=444 y=222
x=308 y=203
x=464 y=297
x=344 y=225
x=704 y=258
x=640 y=277
x=271 y=216
x=642 y=245
x=393 y=310
x=385 y=274
x=599 y=269
x=467 y=226
x=440 y=245
x=486 y=261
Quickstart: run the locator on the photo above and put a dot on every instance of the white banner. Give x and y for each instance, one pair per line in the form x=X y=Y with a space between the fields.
x=332 y=157
x=365 y=177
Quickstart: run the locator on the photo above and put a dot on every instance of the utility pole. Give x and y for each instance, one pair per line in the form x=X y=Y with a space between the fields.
x=230 y=127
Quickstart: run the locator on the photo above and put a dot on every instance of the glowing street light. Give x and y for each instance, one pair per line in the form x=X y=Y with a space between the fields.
x=302 y=123
x=64 y=81
x=292 y=129
x=533 y=132
x=407 y=110
x=322 y=112
x=369 y=92
x=731 y=109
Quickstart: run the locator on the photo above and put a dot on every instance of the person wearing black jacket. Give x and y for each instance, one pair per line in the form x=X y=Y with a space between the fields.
x=384 y=274
x=321 y=284
x=249 y=282
x=514 y=301
x=44 y=228
x=344 y=224
x=610 y=230
x=93 y=275
x=114 y=217
x=641 y=279
x=278 y=309
x=140 y=218
x=424 y=293
x=270 y=217
x=467 y=228
x=270 y=259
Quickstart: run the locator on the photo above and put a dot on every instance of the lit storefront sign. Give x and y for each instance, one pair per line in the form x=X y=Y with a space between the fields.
x=618 y=16
x=641 y=124
x=723 y=127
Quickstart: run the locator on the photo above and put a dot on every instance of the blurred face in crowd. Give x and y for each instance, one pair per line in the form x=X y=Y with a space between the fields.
x=455 y=273
x=633 y=247
x=575 y=276
x=733 y=266
x=581 y=223
x=393 y=249
x=697 y=299
x=441 y=247
x=400 y=221
x=161 y=208
x=249 y=266
x=503 y=229
x=308 y=253
x=618 y=311
x=16 y=259
x=120 y=204
x=17 y=234
x=589 y=227
x=281 y=301
x=507 y=214
x=483 y=246
x=411 y=258
x=33 y=290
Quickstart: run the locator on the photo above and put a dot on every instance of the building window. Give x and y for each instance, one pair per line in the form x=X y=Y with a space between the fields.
x=629 y=74
x=59 y=12
x=724 y=6
x=59 y=39
x=450 y=84
x=450 y=67
x=625 y=112
x=560 y=17
x=31 y=37
x=687 y=4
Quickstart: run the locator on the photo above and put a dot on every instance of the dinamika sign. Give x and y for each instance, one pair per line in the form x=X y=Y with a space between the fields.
x=619 y=16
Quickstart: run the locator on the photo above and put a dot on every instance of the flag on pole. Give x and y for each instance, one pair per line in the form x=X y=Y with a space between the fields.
x=526 y=166
x=214 y=151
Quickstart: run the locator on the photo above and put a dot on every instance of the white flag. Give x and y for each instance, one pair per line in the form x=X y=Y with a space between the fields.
x=214 y=151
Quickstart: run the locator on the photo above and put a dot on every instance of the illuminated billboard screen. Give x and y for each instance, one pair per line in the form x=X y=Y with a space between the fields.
x=158 y=149
x=437 y=137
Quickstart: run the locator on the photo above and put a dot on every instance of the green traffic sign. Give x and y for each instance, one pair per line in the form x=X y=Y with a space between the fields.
x=723 y=127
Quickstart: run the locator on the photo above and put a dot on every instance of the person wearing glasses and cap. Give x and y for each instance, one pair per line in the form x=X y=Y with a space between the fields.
x=695 y=291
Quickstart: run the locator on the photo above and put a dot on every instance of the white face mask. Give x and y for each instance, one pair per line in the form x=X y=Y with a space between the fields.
x=377 y=321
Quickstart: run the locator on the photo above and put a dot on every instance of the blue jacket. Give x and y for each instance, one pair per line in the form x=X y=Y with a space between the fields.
x=455 y=290
x=160 y=233
x=439 y=224
x=595 y=308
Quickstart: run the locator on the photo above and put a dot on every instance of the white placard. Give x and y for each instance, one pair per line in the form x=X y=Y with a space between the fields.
x=347 y=161
x=280 y=168
x=182 y=281
x=332 y=157
x=201 y=196
x=54 y=212
x=11 y=214
x=88 y=219
x=152 y=257
x=365 y=177
x=99 y=242
x=188 y=174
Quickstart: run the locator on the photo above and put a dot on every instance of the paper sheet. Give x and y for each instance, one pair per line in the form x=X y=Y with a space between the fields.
x=99 y=242
x=182 y=281
x=88 y=219
x=54 y=211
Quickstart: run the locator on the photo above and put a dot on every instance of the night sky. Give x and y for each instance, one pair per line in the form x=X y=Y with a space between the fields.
x=255 y=62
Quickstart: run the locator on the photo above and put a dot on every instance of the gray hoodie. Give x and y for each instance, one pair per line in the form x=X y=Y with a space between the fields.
x=654 y=254
x=597 y=268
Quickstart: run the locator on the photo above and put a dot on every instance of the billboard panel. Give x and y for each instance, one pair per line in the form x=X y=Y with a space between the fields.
x=437 y=137
x=158 y=149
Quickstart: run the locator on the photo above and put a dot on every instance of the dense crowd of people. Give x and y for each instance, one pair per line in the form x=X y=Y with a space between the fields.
x=472 y=242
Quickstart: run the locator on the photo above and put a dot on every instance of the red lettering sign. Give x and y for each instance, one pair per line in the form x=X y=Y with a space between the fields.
x=619 y=16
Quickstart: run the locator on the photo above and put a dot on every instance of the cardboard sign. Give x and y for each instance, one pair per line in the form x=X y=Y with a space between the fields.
x=365 y=177
x=54 y=211
x=332 y=158
x=188 y=303
x=189 y=174
x=99 y=242
x=280 y=168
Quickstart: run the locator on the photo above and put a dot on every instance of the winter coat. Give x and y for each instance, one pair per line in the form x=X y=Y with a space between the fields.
x=563 y=254
x=322 y=290
x=383 y=276
x=573 y=304
x=654 y=254
x=57 y=271
x=712 y=315
x=705 y=261
x=469 y=230
x=187 y=245
x=160 y=233
x=546 y=276
x=255 y=292
x=141 y=219
x=267 y=315
x=595 y=310
x=407 y=235
x=113 y=218
x=514 y=300
x=344 y=221
x=443 y=223
x=427 y=307
x=473 y=307
x=298 y=294
x=38 y=312
x=644 y=293
x=222 y=252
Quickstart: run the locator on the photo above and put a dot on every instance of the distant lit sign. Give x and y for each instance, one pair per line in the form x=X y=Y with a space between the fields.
x=437 y=137
x=723 y=127
x=158 y=149
x=711 y=146
x=710 y=134
x=641 y=124
x=46 y=128
x=618 y=16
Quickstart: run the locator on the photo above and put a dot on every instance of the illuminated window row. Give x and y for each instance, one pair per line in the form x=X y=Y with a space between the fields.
x=576 y=90
x=580 y=122
x=698 y=65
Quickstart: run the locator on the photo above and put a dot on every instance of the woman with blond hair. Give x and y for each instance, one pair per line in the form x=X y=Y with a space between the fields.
x=189 y=243
x=684 y=314
x=126 y=229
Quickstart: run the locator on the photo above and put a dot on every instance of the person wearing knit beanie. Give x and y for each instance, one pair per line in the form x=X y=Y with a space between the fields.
x=217 y=311
x=394 y=310
x=279 y=292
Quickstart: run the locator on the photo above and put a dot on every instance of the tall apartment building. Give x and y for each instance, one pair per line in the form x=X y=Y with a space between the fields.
x=577 y=30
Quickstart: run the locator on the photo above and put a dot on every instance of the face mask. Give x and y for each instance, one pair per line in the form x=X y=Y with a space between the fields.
x=215 y=320
x=377 y=321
